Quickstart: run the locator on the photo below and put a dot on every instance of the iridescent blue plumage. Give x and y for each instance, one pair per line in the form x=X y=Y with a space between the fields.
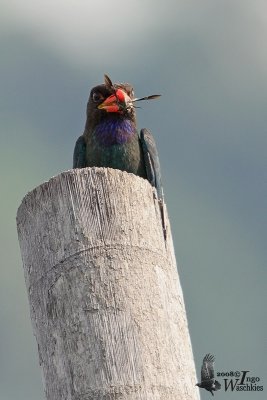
x=114 y=131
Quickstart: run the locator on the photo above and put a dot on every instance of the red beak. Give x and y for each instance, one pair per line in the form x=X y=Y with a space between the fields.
x=117 y=102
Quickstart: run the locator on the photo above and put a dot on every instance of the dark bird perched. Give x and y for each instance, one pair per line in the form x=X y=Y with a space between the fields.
x=111 y=139
x=207 y=375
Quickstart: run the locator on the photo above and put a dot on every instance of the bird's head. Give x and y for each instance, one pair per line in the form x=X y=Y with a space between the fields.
x=112 y=101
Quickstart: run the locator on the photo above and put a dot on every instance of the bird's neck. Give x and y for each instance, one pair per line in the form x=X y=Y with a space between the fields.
x=114 y=131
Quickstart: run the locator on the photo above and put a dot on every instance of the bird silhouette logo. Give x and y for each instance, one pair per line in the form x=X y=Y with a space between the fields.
x=208 y=381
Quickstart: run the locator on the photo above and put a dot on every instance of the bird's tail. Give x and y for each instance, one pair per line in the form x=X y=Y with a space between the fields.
x=163 y=219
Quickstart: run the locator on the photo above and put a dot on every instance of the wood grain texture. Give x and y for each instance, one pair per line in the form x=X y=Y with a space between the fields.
x=106 y=303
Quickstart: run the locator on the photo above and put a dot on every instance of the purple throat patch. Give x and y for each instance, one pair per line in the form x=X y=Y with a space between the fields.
x=112 y=132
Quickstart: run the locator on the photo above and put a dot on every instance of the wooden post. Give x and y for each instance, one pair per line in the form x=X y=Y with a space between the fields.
x=106 y=304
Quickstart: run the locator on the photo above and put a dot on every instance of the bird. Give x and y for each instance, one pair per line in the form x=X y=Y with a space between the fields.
x=111 y=139
x=207 y=375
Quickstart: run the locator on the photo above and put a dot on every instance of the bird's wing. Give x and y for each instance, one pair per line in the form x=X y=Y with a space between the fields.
x=79 y=154
x=207 y=369
x=151 y=161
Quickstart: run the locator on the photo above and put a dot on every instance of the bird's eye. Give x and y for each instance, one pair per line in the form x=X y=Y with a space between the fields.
x=97 y=97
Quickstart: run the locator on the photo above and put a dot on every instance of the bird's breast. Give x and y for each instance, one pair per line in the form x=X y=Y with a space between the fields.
x=115 y=144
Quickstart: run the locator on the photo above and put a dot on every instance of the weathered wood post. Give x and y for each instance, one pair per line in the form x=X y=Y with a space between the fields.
x=106 y=304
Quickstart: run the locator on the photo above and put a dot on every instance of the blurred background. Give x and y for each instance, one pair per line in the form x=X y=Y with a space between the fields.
x=208 y=59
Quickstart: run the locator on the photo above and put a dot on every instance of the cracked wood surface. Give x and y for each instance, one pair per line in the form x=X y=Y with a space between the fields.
x=105 y=299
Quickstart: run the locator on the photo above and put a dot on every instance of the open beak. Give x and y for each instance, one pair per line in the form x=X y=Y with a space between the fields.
x=117 y=102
